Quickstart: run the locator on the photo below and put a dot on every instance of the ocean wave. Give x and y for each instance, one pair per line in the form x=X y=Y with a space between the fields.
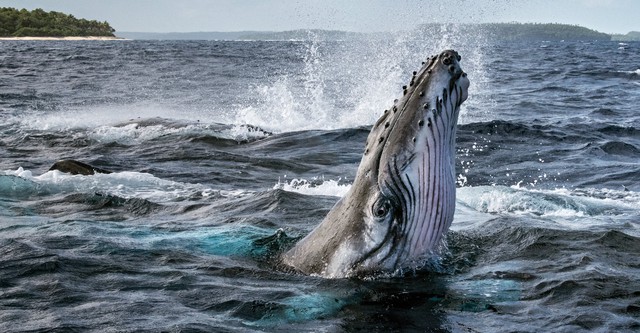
x=134 y=133
x=562 y=206
x=126 y=185
x=620 y=148
x=512 y=131
x=106 y=129
x=556 y=268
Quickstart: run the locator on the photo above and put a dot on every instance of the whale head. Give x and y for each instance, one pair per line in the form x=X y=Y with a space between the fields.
x=402 y=199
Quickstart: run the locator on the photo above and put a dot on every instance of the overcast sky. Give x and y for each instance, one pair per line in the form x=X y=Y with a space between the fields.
x=610 y=16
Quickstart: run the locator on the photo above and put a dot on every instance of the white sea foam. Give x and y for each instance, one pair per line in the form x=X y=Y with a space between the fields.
x=314 y=187
x=636 y=72
x=571 y=208
x=133 y=133
x=121 y=184
x=129 y=134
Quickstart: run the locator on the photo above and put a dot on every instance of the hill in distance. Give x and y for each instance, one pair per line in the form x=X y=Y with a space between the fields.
x=629 y=37
x=492 y=31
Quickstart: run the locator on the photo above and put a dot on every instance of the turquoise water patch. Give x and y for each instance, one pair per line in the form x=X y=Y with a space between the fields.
x=311 y=306
x=232 y=241
x=302 y=308
x=480 y=295
x=235 y=240
x=12 y=186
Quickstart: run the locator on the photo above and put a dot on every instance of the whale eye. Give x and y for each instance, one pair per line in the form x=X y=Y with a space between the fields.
x=382 y=208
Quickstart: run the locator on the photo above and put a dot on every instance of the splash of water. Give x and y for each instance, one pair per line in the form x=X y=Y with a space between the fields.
x=348 y=84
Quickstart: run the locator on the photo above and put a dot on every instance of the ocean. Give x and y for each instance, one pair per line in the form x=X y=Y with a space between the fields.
x=224 y=153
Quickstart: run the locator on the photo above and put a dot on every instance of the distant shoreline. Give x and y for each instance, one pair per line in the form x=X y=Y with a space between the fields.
x=63 y=38
x=482 y=31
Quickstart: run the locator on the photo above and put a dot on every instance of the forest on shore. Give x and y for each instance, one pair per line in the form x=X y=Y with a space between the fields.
x=39 y=23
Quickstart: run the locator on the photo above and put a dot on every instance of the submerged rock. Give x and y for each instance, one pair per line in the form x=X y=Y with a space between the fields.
x=76 y=168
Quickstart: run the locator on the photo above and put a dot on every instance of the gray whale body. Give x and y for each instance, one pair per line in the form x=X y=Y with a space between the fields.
x=402 y=199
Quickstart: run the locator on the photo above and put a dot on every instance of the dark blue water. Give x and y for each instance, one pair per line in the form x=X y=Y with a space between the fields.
x=215 y=146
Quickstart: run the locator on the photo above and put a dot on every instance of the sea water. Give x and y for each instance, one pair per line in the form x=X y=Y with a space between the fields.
x=225 y=152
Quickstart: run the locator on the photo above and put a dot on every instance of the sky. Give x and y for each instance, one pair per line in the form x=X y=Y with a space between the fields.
x=609 y=16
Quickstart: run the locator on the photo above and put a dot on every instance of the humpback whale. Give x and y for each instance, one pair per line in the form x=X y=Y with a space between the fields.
x=402 y=199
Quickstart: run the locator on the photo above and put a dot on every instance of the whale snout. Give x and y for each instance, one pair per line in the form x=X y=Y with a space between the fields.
x=450 y=60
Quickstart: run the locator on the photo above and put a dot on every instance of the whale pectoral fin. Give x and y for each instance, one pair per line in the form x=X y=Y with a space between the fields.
x=76 y=168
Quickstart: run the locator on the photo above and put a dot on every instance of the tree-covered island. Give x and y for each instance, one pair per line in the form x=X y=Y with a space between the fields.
x=490 y=31
x=39 y=23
